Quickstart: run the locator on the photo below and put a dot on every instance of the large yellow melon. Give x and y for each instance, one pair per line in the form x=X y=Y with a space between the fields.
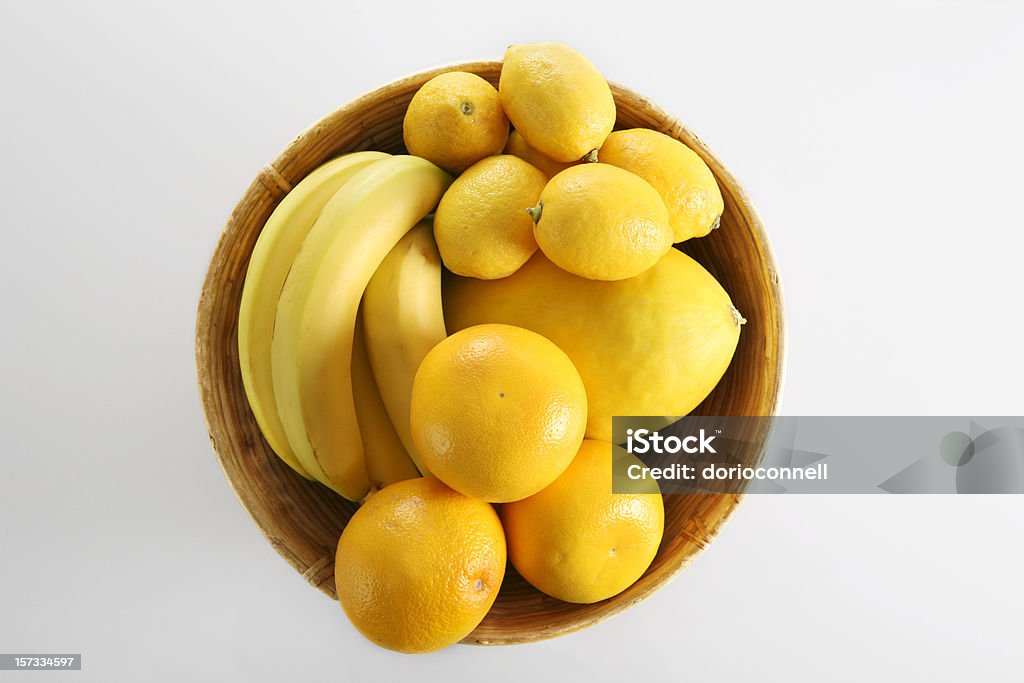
x=655 y=344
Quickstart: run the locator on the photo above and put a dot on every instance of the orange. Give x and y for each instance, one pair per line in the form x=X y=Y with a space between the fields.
x=481 y=225
x=419 y=565
x=579 y=542
x=455 y=120
x=498 y=412
x=683 y=180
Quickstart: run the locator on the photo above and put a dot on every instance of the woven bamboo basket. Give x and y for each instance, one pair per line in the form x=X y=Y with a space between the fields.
x=303 y=520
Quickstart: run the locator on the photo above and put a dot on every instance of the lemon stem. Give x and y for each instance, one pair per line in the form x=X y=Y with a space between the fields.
x=717 y=224
x=536 y=211
x=738 y=317
x=590 y=156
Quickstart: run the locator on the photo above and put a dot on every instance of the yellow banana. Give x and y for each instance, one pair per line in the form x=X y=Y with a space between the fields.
x=272 y=256
x=311 y=352
x=386 y=459
x=404 y=320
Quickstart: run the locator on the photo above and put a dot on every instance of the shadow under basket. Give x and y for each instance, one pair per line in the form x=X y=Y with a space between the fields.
x=303 y=520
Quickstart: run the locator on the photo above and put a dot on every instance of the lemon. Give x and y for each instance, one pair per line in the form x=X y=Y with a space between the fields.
x=419 y=565
x=497 y=412
x=655 y=344
x=556 y=99
x=576 y=540
x=481 y=225
x=601 y=222
x=518 y=146
x=683 y=180
x=455 y=120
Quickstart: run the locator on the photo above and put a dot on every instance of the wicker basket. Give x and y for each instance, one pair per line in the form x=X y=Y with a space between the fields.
x=303 y=520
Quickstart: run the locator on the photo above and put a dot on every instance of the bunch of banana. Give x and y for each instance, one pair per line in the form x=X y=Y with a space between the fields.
x=272 y=257
x=304 y=372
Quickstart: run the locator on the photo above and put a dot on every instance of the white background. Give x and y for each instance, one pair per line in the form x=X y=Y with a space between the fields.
x=882 y=144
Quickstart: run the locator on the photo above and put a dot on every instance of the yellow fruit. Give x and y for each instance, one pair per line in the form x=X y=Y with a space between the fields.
x=556 y=99
x=419 y=565
x=683 y=180
x=518 y=146
x=656 y=344
x=481 y=225
x=576 y=540
x=455 y=120
x=600 y=222
x=311 y=351
x=386 y=458
x=404 y=320
x=272 y=257
x=497 y=412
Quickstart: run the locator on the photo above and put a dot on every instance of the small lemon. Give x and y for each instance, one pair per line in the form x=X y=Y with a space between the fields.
x=455 y=120
x=518 y=146
x=556 y=99
x=602 y=223
x=576 y=540
x=683 y=180
x=481 y=226
x=419 y=565
x=498 y=412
